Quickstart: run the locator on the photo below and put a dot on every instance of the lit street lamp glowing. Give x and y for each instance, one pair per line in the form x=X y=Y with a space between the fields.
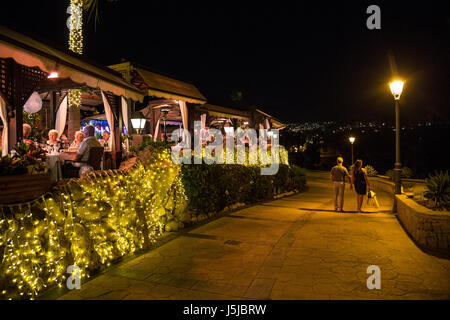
x=396 y=88
x=352 y=140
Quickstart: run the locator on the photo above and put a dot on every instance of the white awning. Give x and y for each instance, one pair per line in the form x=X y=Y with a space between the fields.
x=31 y=53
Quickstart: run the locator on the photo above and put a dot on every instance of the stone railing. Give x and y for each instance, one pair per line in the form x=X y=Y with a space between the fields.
x=381 y=184
x=414 y=188
x=429 y=229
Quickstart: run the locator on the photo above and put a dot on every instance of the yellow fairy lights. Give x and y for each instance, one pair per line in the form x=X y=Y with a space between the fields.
x=258 y=157
x=76 y=26
x=75 y=42
x=74 y=97
x=88 y=223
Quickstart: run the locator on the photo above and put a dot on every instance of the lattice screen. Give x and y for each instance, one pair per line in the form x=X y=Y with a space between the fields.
x=17 y=82
x=6 y=82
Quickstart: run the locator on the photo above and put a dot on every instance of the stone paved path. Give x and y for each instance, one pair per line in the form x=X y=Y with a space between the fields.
x=292 y=248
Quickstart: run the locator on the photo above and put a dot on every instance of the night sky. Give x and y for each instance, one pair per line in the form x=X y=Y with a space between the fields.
x=295 y=61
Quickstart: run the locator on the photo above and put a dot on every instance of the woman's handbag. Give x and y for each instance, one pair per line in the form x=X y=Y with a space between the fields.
x=372 y=195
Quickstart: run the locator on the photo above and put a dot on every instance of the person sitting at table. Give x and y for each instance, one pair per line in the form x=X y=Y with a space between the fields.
x=80 y=161
x=79 y=137
x=26 y=130
x=89 y=142
x=105 y=139
x=53 y=143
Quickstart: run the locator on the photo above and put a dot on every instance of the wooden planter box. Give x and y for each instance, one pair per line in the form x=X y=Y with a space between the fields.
x=24 y=187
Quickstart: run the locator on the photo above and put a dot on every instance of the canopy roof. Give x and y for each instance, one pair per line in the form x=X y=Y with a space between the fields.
x=219 y=111
x=158 y=85
x=277 y=124
x=32 y=53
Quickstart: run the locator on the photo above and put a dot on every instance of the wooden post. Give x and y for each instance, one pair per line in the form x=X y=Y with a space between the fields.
x=53 y=107
x=12 y=131
x=17 y=101
x=117 y=156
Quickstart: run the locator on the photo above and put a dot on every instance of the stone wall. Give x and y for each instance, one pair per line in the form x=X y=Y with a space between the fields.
x=429 y=229
x=380 y=184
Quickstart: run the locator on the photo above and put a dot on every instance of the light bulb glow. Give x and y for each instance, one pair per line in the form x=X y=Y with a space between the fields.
x=138 y=123
x=396 y=88
x=53 y=75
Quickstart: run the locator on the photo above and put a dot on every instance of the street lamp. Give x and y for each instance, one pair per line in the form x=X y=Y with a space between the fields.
x=138 y=122
x=352 y=140
x=396 y=90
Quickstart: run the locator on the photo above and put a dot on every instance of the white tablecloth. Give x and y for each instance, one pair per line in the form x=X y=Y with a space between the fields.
x=55 y=167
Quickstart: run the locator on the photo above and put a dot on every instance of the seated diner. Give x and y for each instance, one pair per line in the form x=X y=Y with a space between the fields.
x=105 y=139
x=26 y=130
x=81 y=159
x=79 y=137
x=53 y=144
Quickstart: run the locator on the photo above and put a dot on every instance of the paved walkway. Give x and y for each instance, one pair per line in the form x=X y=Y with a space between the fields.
x=292 y=248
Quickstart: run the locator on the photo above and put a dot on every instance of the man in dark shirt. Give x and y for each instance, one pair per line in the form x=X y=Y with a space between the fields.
x=338 y=175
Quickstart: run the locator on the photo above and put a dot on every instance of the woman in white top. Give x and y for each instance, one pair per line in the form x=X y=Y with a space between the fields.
x=79 y=137
x=53 y=144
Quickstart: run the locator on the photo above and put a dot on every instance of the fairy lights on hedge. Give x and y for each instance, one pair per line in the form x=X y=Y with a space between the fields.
x=89 y=223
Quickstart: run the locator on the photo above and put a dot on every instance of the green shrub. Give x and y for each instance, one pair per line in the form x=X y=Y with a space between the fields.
x=211 y=188
x=371 y=172
x=406 y=173
x=438 y=186
x=299 y=177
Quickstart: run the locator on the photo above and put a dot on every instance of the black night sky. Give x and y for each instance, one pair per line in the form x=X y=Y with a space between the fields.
x=296 y=61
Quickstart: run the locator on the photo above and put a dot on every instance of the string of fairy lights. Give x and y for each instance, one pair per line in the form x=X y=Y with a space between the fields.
x=88 y=223
x=76 y=43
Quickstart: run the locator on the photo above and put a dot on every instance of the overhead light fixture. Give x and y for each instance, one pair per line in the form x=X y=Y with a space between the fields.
x=53 y=75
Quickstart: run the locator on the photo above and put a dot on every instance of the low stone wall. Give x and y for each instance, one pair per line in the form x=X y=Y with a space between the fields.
x=380 y=184
x=429 y=229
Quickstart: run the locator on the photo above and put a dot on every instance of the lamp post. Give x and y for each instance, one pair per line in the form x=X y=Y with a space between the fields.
x=352 y=140
x=396 y=90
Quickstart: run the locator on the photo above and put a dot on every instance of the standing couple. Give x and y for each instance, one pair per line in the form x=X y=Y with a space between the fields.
x=358 y=179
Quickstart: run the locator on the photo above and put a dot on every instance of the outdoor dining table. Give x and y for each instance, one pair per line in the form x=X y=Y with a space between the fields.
x=67 y=155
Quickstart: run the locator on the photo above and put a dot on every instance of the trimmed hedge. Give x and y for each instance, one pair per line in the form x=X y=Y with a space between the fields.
x=212 y=188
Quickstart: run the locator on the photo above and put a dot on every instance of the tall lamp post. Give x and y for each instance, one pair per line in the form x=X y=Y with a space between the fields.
x=352 y=140
x=396 y=89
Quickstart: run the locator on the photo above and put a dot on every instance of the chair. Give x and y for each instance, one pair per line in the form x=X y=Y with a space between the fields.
x=95 y=157
x=94 y=160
